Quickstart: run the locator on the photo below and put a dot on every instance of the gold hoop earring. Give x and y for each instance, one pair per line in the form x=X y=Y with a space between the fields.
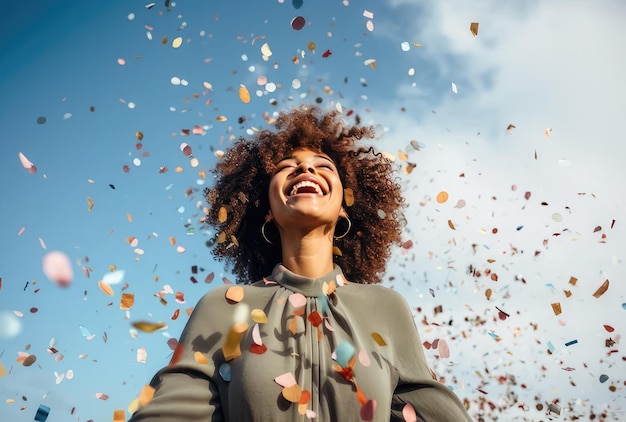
x=263 y=233
x=347 y=231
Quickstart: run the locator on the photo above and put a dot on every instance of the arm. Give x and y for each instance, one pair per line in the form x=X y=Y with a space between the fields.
x=431 y=400
x=187 y=390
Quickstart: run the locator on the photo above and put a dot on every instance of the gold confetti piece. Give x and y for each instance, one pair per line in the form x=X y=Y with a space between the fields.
x=172 y=240
x=556 y=308
x=146 y=394
x=568 y=293
x=337 y=251
x=3 y=370
x=106 y=289
x=119 y=415
x=488 y=293
x=139 y=135
x=235 y=294
x=129 y=217
x=222 y=215
x=379 y=339
x=89 y=204
x=244 y=94
x=149 y=327
x=348 y=197
x=474 y=28
x=221 y=238
x=221 y=118
x=177 y=42
x=258 y=316
x=292 y=393
x=200 y=358
x=127 y=301
x=451 y=225
x=573 y=280
x=266 y=50
x=602 y=289
x=231 y=348
x=442 y=197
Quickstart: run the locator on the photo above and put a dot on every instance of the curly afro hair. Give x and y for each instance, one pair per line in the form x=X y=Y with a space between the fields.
x=239 y=202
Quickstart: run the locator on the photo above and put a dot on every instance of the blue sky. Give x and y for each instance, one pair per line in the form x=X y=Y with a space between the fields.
x=537 y=204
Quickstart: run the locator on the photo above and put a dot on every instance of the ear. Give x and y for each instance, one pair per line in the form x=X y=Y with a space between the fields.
x=269 y=216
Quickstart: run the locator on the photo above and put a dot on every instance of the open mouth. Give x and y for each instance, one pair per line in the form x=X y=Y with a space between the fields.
x=306 y=187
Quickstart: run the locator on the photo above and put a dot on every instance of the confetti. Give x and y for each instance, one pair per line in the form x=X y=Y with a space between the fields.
x=474 y=28
x=298 y=23
x=442 y=197
x=30 y=167
x=602 y=289
x=149 y=327
x=58 y=268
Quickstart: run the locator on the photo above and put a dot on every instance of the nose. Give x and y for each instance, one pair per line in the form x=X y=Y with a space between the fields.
x=305 y=167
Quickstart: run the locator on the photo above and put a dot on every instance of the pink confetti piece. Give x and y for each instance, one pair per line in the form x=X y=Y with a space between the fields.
x=286 y=380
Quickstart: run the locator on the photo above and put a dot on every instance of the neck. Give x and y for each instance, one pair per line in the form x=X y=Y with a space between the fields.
x=309 y=254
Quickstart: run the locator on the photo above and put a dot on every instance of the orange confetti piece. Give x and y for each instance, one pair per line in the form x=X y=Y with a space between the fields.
x=292 y=393
x=442 y=197
x=556 y=308
x=129 y=217
x=348 y=197
x=119 y=415
x=235 y=294
x=451 y=225
x=573 y=280
x=146 y=394
x=244 y=94
x=127 y=301
x=89 y=204
x=379 y=339
x=232 y=346
x=222 y=215
x=608 y=328
x=200 y=358
x=106 y=289
x=488 y=293
x=602 y=289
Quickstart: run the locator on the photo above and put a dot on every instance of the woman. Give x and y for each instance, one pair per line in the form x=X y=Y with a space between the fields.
x=306 y=219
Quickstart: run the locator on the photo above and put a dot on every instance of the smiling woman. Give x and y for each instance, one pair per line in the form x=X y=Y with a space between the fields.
x=309 y=335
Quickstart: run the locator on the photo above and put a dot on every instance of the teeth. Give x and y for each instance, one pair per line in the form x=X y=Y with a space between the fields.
x=305 y=183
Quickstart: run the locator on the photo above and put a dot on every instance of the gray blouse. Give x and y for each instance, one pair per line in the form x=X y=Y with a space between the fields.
x=292 y=348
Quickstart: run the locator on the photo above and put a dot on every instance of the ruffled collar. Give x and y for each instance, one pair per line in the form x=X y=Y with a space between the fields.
x=311 y=287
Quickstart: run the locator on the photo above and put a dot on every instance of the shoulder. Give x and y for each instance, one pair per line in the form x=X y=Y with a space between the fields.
x=375 y=295
x=226 y=297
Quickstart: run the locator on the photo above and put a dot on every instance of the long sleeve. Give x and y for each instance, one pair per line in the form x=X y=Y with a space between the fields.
x=187 y=389
x=432 y=401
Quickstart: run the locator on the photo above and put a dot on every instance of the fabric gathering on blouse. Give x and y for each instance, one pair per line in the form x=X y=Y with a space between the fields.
x=292 y=348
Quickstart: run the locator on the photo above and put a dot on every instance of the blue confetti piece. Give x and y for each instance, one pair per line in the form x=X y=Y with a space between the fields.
x=225 y=372
x=85 y=332
x=494 y=335
x=604 y=378
x=519 y=228
x=550 y=346
x=344 y=353
x=570 y=343
x=323 y=303
x=42 y=413
x=624 y=306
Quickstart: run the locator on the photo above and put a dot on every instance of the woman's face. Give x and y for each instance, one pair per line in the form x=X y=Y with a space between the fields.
x=306 y=191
